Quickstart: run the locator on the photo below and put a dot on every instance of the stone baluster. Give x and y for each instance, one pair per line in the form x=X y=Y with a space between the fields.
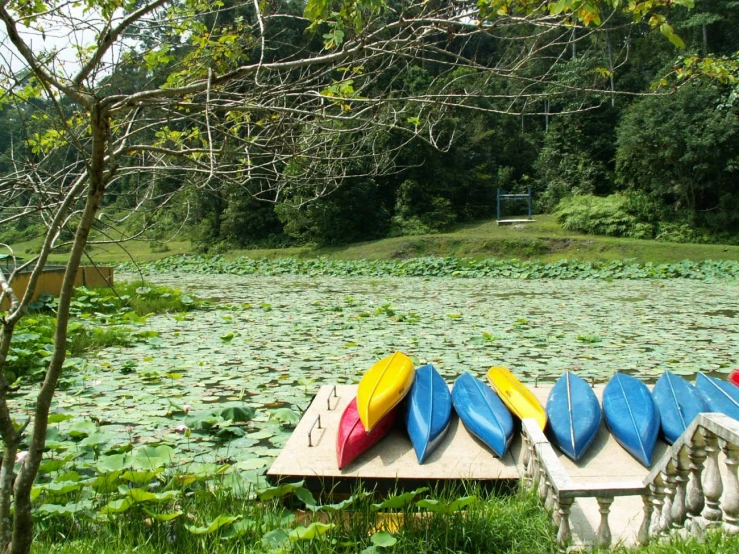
x=643 y=536
x=694 y=499
x=555 y=511
x=603 y=536
x=712 y=486
x=669 y=477
x=564 y=535
x=679 y=507
x=730 y=501
x=543 y=482
x=526 y=461
x=535 y=468
x=549 y=498
x=658 y=500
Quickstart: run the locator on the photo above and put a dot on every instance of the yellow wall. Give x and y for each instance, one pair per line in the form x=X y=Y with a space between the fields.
x=50 y=281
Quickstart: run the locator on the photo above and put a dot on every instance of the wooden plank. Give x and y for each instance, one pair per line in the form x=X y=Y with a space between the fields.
x=511 y=221
x=459 y=456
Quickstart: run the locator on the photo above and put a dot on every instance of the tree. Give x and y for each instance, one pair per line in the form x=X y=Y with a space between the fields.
x=225 y=95
x=681 y=150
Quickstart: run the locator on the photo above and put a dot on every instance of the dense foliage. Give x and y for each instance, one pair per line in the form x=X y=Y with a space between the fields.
x=672 y=150
x=440 y=267
x=101 y=317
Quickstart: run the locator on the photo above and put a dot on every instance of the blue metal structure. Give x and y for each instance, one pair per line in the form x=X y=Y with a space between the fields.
x=503 y=196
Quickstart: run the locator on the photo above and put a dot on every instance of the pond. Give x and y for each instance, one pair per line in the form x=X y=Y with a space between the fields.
x=270 y=342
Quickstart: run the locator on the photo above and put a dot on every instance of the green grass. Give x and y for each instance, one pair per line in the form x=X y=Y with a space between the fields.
x=495 y=523
x=512 y=523
x=544 y=240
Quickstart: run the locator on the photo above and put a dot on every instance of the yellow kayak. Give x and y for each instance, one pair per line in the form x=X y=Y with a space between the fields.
x=516 y=396
x=383 y=387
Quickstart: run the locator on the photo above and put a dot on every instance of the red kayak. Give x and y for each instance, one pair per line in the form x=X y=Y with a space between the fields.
x=352 y=439
x=734 y=377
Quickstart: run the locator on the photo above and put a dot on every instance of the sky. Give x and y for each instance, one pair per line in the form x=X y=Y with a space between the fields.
x=63 y=33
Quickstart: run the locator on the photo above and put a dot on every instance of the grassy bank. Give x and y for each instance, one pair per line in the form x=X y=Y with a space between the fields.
x=543 y=240
x=214 y=519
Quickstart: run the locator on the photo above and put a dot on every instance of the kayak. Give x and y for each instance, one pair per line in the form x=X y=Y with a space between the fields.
x=632 y=416
x=352 y=440
x=483 y=413
x=678 y=403
x=574 y=415
x=520 y=400
x=429 y=411
x=734 y=377
x=720 y=396
x=382 y=388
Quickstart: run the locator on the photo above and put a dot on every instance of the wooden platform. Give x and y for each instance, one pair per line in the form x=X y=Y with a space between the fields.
x=513 y=221
x=459 y=456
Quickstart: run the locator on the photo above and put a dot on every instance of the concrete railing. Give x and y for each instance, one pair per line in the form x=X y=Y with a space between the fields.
x=686 y=489
x=543 y=471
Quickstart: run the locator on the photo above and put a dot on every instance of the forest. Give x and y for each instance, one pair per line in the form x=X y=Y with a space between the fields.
x=624 y=138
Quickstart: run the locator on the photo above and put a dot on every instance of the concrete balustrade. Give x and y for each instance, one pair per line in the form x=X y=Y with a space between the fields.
x=694 y=486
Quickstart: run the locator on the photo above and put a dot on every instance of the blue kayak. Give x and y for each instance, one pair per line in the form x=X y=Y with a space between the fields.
x=574 y=415
x=720 y=396
x=483 y=413
x=428 y=412
x=631 y=416
x=678 y=403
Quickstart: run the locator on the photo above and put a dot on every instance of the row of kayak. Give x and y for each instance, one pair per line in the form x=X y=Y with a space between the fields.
x=573 y=414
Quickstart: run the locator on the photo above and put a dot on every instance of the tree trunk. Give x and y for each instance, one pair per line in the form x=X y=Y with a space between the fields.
x=97 y=179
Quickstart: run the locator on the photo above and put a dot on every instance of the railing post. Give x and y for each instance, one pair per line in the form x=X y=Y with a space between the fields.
x=603 y=536
x=658 y=501
x=670 y=486
x=549 y=499
x=543 y=482
x=679 y=509
x=712 y=486
x=643 y=536
x=526 y=460
x=564 y=536
x=694 y=491
x=730 y=502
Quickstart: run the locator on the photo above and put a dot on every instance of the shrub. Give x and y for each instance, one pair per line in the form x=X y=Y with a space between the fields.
x=609 y=215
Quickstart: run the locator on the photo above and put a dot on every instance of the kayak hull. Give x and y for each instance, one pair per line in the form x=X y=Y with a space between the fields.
x=483 y=413
x=632 y=416
x=428 y=411
x=514 y=394
x=720 y=396
x=574 y=415
x=678 y=403
x=352 y=440
x=383 y=387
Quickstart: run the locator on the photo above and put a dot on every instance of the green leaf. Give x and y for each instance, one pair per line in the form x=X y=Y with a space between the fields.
x=213 y=526
x=669 y=32
x=114 y=462
x=285 y=416
x=118 y=506
x=238 y=414
x=383 y=539
x=279 y=491
x=152 y=457
x=400 y=500
x=441 y=507
x=276 y=539
x=58 y=418
x=313 y=531
x=164 y=517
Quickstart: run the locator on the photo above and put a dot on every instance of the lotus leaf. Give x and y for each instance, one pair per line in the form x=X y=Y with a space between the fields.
x=313 y=531
x=213 y=526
